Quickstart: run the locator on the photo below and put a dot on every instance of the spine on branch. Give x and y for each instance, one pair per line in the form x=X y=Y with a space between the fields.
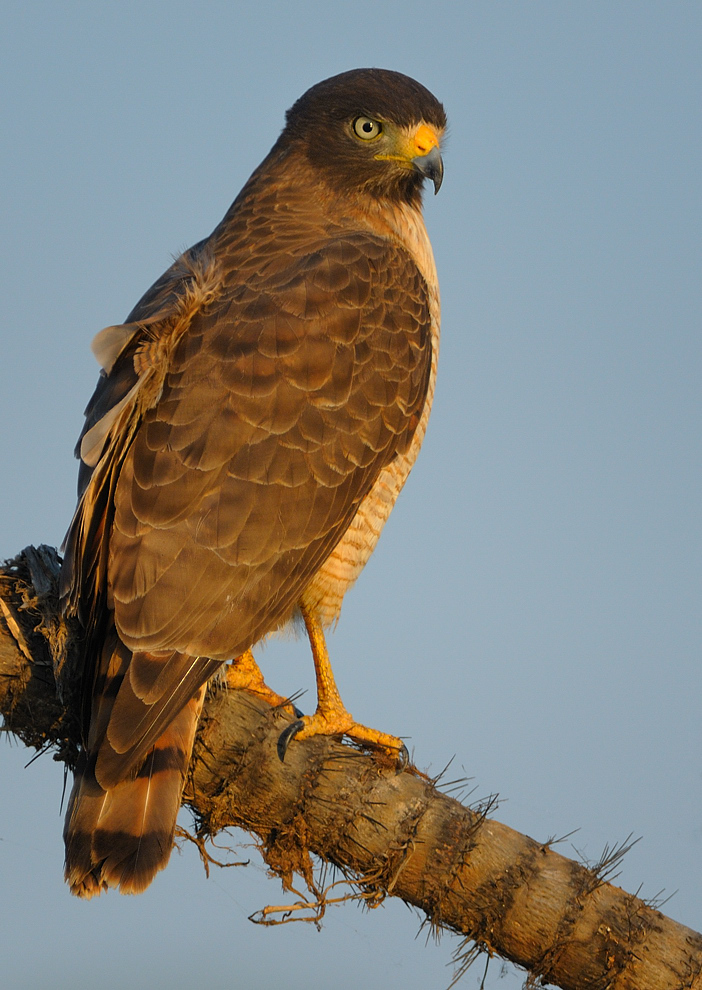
x=390 y=834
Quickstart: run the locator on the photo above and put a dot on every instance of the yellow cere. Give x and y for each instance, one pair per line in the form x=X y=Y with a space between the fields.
x=409 y=145
x=424 y=140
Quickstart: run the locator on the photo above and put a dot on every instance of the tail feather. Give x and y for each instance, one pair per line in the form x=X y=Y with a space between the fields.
x=139 y=713
x=122 y=836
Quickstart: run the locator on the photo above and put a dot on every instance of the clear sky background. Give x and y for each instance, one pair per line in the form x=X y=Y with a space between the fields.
x=533 y=607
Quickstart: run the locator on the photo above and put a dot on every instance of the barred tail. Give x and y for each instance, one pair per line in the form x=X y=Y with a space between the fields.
x=122 y=835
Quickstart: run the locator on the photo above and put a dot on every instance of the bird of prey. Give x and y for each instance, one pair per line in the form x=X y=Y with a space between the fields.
x=255 y=419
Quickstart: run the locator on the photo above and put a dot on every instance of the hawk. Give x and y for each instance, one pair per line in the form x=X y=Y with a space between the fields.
x=255 y=419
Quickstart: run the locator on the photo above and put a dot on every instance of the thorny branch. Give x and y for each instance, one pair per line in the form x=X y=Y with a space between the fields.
x=387 y=833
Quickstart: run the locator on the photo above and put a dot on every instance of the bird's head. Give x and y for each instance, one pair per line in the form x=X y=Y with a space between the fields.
x=370 y=130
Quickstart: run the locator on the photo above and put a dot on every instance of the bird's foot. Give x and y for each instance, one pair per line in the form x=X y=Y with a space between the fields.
x=331 y=717
x=339 y=722
x=244 y=674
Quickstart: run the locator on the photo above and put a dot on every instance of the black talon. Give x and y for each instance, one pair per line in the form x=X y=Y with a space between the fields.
x=286 y=735
x=298 y=713
x=402 y=758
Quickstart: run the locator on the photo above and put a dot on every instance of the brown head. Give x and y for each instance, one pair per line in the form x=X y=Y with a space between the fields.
x=370 y=130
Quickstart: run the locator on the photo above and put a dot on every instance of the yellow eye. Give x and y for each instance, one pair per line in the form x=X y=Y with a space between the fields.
x=367 y=129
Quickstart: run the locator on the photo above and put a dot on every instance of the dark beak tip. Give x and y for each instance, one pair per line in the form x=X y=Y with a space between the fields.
x=431 y=166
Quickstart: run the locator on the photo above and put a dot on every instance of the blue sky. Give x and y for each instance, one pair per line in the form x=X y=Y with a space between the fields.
x=533 y=605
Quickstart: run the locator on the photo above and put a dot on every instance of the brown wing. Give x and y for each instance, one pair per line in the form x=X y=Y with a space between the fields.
x=212 y=504
x=282 y=404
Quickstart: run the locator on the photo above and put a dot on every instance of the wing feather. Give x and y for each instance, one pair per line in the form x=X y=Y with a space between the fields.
x=219 y=494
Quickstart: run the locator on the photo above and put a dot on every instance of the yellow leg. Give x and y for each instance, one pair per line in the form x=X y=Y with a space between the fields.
x=331 y=717
x=244 y=674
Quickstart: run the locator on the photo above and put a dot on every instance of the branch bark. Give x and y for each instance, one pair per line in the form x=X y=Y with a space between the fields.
x=390 y=834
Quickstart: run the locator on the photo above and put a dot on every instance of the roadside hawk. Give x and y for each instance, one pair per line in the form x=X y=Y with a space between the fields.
x=255 y=419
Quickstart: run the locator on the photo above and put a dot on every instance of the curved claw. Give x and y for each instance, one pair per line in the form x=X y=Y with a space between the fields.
x=298 y=713
x=286 y=735
x=402 y=759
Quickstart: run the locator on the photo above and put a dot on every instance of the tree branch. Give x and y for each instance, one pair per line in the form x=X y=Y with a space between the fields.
x=389 y=834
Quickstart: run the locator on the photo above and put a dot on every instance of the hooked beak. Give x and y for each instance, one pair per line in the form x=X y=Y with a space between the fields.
x=431 y=166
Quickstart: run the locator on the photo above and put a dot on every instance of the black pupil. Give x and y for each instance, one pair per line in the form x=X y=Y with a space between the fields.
x=367 y=126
